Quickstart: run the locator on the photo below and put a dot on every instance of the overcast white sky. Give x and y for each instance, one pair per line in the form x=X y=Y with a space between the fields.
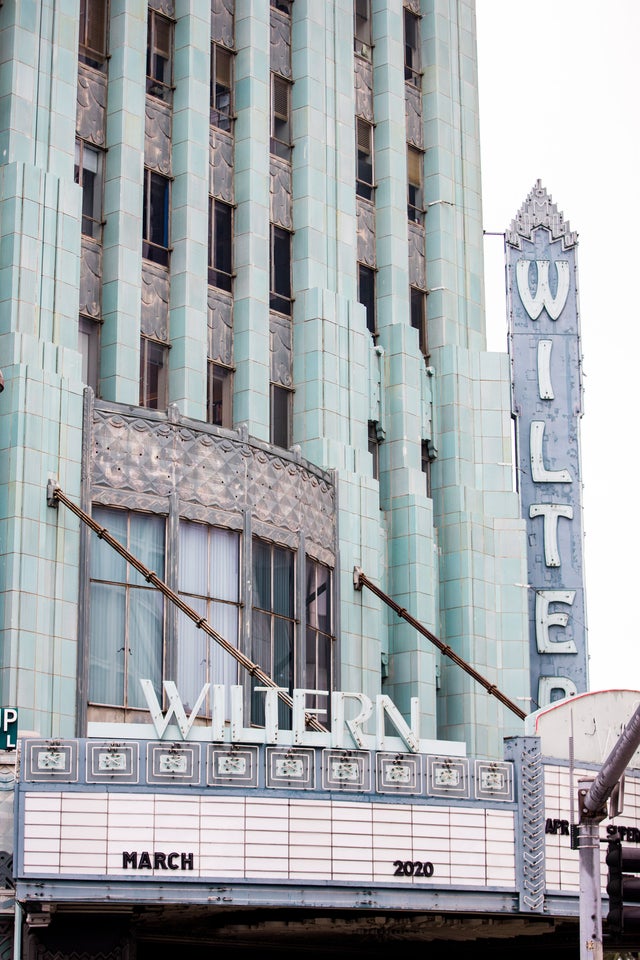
x=559 y=93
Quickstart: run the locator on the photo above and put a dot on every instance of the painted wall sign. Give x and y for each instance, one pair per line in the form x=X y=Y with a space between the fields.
x=544 y=346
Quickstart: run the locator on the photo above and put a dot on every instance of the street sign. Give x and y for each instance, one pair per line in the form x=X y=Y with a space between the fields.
x=8 y=728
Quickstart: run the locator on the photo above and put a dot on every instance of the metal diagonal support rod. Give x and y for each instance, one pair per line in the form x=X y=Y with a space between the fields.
x=361 y=580
x=55 y=496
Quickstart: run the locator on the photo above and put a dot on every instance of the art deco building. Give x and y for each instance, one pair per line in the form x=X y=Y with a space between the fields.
x=243 y=335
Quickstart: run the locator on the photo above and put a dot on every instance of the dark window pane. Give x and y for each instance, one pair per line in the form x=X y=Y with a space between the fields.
x=280 y=416
x=411 y=47
x=367 y=295
x=280 y=298
x=153 y=374
x=220 y=395
x=156 y=200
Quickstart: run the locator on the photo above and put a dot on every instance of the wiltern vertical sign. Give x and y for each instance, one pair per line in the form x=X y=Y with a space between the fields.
x=546 y=371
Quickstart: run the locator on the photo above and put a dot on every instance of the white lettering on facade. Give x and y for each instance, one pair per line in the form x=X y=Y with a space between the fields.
x=543 y=298
x=346 y=731
x=545 y=386
x=546 y=619
x=539 y=472
x=551 y=512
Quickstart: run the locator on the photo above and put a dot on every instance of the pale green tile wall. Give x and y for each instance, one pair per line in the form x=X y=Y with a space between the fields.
x=190 y=204
x=122 y=242
x=41 y=406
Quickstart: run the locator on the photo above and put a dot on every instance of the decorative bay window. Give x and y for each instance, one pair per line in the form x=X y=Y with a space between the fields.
x=127 y=613
x=134 y=632
x=208 y=581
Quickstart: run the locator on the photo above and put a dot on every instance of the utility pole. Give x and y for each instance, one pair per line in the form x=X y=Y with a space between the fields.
x=592 y=799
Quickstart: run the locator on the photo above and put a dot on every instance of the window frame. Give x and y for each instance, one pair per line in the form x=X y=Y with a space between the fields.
x=154 y=386
x=91 y=182
x=277 y=620
x=315 y=634
x=412 y=58
x=365 y=168
x=418 y=316
x=280 y=267
x=89 y=349
x=281 y=140
x=415 y=184
x=280 y=416
x=373 y=446
x=158 y=85
x=222 y=398
x=368 y=297
x=209 y=603
x=133 y=581
x=220 y=248
x=93 y=56
x=151 y=249
x=362 y=34
x=221 y=117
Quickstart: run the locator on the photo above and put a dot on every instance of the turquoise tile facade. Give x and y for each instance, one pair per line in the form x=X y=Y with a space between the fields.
x=454 y=553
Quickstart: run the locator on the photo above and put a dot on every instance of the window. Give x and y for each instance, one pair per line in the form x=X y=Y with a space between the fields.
x=411 y=48
x=154 y=357
x=221 y=87
x=89 y=349
x=364 y=159
x=280 y=117
x=220 y=244
x=419 y=318
x=208 y=581
x=280 y=270
x=415 y=199
x=374 y=448
x=155 y=217
x=219 y=395
x=367 y=295
x=93 y=33
x=426 y=461
x=159 y=56
x=88 y=174
x=284 y=6
x=319 y=640
x=281 y=416
x=362 y=28
x=127 y=613
x=273 y=623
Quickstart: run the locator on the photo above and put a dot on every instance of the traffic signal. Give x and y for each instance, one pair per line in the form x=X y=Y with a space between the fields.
x=623 y=888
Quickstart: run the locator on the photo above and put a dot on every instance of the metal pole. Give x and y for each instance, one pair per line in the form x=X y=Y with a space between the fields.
x=592 y=799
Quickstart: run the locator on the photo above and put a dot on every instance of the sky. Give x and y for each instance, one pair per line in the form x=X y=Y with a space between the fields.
x=559 y=88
